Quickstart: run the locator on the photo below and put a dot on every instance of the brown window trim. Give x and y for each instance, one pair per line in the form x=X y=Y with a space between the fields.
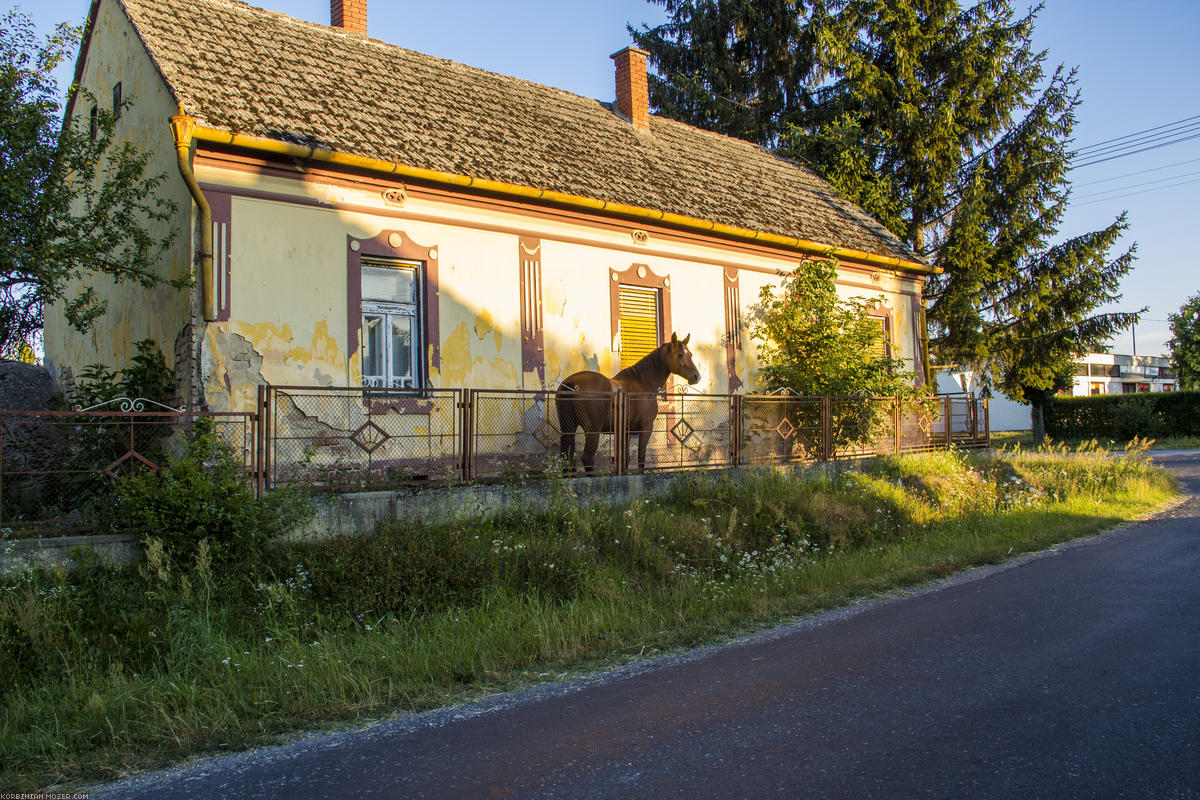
x=404 y=248
x=221 y=204
x=646 y=280
x=733 y=326
x=885 y=314
x=533 y=347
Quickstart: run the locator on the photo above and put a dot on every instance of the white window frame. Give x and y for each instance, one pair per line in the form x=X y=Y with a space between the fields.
x=388 y=310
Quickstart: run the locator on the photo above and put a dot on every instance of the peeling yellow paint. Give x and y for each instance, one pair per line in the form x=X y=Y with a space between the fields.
x=460 y=368
x=483 y=324
x=232 y=382
x=555 y=300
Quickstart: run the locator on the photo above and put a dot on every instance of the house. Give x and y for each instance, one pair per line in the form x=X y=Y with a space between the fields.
x=1109 y=373
x=359 y=214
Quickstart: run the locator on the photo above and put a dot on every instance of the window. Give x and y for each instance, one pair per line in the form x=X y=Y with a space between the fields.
x=117 y=100
x=882 y=347
x=1129 y=388
x=1081 y=370
x=639 y=323
x=1097 y=387
x=391 y=324
x=94 y=123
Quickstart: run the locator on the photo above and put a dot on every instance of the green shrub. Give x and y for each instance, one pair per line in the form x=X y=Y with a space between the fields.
x=1120 y=417
x=204 y=493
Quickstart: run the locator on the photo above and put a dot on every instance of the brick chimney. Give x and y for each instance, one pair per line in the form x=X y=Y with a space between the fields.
x=350 y=15
x=633 y=93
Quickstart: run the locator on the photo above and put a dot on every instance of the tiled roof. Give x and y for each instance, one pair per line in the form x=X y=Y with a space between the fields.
x=263 y=73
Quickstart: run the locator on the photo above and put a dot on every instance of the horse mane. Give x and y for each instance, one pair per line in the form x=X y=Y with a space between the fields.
x=650 y=371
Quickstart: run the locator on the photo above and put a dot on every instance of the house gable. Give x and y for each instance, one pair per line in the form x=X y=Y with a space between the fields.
x=113 y=55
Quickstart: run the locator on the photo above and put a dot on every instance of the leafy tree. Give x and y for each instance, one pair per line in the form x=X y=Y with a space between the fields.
x=812 y=342
x=1185 y=343
x=74 y=201
x=943 y=122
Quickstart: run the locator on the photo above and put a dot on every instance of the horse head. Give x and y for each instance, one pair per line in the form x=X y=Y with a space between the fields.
x=679 y=358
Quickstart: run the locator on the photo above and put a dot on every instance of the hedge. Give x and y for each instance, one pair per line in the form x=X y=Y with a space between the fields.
x=1123 y=416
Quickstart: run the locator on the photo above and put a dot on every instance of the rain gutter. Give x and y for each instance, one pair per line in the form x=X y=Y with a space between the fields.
x=311 y=153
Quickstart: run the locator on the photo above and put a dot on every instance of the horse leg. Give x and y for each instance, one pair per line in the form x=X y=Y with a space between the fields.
x=567 y=422
x=590 y=443
x=566 y=451
x=643 y=440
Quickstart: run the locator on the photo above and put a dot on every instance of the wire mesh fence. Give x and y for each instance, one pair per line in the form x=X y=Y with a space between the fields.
x=58 y=469
x=343 y=439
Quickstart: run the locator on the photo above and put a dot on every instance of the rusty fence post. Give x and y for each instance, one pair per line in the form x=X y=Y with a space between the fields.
x=826 y=428
x=987 y=423
x=897 y=438
x=620 y=433
x=949 y=424
x=466 y=403
x=260 y=425
x=268 y=428
x=735 y=429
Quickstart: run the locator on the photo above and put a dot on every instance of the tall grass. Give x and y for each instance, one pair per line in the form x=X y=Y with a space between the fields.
x=109 y=670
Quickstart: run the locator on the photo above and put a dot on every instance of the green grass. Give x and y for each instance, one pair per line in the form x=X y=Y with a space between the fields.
x=1010 y=439
x=111 y=671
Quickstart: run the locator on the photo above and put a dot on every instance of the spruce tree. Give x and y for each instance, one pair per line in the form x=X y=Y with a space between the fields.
x=942 y=121
x=740 y=67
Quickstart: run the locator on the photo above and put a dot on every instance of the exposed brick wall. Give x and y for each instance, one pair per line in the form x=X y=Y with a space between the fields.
x=633 y=92
x=349 y=14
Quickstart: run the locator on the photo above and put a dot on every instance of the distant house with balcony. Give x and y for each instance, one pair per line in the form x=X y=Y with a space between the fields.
x=1110 y=373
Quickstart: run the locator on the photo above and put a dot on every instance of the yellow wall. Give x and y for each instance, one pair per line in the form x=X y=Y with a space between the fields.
x=115 y=54
x=289 y=306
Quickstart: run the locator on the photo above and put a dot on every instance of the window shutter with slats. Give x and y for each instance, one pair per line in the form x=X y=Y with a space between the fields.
x=639 y=323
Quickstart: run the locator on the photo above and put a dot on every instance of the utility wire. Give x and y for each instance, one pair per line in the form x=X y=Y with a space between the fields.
x=1092 y=155
x=1137 y=185
x=1135 y=152
x=1138 y=133
x=1132 y=194
x=1139 y=141
x=1139 y=172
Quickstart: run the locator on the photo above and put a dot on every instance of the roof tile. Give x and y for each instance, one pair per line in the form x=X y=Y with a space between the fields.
x=244 y=69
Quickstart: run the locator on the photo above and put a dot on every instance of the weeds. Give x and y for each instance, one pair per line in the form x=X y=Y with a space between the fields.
x=191 y=653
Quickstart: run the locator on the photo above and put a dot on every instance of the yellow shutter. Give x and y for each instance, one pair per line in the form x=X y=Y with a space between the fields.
x=881 y=347
x=639 y=323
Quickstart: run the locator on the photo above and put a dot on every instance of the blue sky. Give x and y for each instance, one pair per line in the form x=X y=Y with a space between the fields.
x=1138 y=66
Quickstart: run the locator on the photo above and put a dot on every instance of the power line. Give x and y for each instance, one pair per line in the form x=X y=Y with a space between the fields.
x=1137 y=185
x=1138 y=133
x=1133 y=194
x=1138 y=142
x=1135 y=152
x=1138 y=172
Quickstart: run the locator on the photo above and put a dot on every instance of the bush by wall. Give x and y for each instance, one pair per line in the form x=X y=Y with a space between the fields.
x=1123 y=416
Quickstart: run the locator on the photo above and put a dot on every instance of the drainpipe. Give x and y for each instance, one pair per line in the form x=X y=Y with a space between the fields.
x=182 y=129
x=926 y=369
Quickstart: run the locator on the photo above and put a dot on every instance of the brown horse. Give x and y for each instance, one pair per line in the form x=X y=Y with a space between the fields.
x=585 y=399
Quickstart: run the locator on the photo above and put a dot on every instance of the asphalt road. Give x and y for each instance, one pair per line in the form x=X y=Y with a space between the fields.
x=1071 y=674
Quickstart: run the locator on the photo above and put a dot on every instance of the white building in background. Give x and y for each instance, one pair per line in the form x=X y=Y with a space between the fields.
x=1109 y=373
x=1095 y=373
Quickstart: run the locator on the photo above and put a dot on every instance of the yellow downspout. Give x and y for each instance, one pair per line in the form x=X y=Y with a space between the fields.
x=183 y=129
x=305 y=152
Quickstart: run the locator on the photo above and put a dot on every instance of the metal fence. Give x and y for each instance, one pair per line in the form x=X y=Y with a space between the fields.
x=340 y=438
x=346 y=439
x=58 y=468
